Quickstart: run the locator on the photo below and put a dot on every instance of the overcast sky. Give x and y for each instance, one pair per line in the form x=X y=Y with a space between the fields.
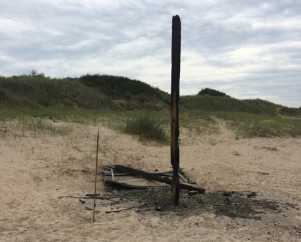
x=246 y=48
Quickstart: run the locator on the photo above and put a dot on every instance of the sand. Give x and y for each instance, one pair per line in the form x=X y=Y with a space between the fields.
x=36 y=169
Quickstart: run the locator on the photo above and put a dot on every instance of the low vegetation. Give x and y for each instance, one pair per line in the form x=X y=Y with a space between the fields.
x=24 y=126
x=261 y=125
x=144 y=110
x=100 y=92
x=207 y=103
x=147 y=128
x=211 y=92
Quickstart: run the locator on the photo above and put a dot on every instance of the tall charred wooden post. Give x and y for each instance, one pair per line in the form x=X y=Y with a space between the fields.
x=175 y=83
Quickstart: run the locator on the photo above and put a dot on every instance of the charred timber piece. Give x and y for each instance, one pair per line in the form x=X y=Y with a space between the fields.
x=160 y=177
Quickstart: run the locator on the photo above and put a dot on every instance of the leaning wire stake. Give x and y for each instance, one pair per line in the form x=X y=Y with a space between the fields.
x=95 y=180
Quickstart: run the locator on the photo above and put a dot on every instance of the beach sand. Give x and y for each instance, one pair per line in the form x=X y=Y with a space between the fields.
x=37 y=170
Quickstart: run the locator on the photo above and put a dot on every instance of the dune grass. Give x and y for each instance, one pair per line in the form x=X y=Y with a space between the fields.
x=139 y=121
x=29 y=126
x=255 y=125
x=131 y=105
x=147 y=128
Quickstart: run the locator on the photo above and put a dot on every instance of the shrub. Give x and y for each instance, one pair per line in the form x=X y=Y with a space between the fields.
x=146 y=128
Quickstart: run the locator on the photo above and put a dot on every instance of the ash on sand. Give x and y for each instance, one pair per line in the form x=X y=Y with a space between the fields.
x=230 y=204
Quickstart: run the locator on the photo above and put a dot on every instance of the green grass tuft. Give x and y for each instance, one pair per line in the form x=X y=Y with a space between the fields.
x=147 y=128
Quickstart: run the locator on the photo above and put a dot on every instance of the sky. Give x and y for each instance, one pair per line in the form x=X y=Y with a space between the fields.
x=246 y=48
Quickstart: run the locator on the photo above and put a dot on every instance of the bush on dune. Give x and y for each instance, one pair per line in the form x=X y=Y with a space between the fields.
x=146 y=128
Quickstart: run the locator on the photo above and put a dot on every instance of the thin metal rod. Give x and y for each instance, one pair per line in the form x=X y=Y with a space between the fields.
x=95 y=180
x=175 y=86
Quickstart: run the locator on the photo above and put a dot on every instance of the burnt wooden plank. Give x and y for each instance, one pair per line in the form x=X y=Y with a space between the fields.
x=146 y=175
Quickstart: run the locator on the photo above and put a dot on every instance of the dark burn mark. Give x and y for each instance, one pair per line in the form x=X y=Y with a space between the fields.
x=222 y=203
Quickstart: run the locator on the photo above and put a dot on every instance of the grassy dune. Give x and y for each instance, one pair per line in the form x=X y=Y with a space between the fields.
x=116 y=101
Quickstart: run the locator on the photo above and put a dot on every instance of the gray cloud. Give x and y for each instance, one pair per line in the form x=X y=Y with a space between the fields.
x=250 y=49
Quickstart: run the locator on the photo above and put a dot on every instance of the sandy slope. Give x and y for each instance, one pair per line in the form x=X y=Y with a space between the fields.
x=35 y=170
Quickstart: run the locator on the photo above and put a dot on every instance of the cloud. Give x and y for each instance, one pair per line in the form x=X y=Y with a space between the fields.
x=250 y=49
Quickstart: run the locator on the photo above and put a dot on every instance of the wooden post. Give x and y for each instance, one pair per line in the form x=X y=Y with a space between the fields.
x=95 y=178
x=175 y=83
